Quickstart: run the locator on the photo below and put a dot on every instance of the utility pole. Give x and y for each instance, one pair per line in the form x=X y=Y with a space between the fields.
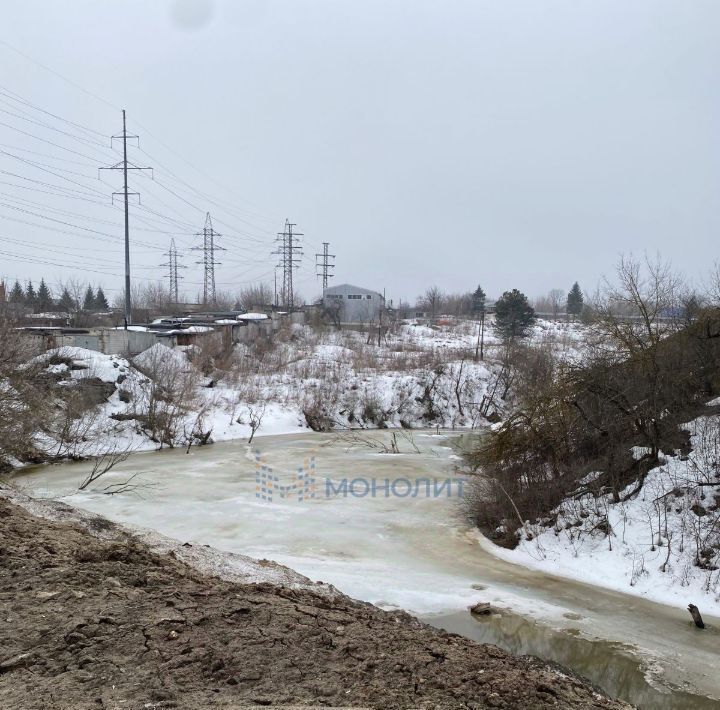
x=125 y=166
x=324 y=265
x=209 y=248
x=173 y=266
x=289 y=252
x=380 y=326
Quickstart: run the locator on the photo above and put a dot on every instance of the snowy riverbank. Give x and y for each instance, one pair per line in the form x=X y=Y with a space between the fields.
x=660 y=540
x=418 y=377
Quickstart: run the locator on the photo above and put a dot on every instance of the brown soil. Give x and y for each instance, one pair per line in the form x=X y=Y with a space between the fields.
x=92 y=623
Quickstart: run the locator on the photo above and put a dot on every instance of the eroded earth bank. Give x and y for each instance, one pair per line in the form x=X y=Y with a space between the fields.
x=93 y=616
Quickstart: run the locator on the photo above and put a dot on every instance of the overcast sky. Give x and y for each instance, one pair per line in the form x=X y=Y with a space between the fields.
x=512 y=143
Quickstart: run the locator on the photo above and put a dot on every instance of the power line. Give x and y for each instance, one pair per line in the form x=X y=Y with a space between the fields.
x=58 y=74
x=325 y=266
x=219 y=202
x=209 y=247
x=44 y=140
x=173 y=266
x=47 y=155
x=125 y=166
x=21 y=110
x=14 y=96
x=37 y=166
x=86 y=141
x=290 y=253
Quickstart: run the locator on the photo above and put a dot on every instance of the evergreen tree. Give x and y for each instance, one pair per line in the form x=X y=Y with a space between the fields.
x=30 y=295
x=17 y=295
x=66 y=303
x=101 y=303
x=44 y=297
x=478 y=302
x=575 y=301
x=514 y=316
x=478 y=309
x=89 y=302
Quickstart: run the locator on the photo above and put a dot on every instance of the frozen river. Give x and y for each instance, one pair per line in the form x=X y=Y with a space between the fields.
x=399 y=551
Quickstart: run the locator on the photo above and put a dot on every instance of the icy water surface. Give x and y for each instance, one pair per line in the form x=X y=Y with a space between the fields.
x=400 y=551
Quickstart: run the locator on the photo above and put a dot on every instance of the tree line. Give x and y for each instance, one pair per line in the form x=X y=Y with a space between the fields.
x=69 y=299
x=640 y=378
x=514 y=315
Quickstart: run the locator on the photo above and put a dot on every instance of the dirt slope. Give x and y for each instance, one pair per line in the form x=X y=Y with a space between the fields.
x=93 y=623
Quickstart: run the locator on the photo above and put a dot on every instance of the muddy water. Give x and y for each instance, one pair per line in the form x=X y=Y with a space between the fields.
x=415 y=553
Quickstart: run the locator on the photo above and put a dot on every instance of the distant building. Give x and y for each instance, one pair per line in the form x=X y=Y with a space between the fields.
x=353 y=304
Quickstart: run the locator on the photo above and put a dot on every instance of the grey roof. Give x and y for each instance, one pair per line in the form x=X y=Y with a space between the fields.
x=349 y=288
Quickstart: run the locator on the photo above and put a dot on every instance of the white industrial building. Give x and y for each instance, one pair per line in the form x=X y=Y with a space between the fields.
x=353 y=304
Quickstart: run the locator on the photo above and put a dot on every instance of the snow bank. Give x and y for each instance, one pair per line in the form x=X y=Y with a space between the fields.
x=663 y=542
x=86 y=363
x=160 y=354
x=337 y=376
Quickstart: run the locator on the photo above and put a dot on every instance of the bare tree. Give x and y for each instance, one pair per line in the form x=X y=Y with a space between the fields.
x=713 y=289
x=76 y=289
x=556 y=297
x=170 y=393
x=25 y=402
x=459 y=379
x=634 y=312
x=333 y=310
x=458 y=304
x=104 y=463
x=354 y=438
x=255 y=414
x=258 y=295
x=433 y=298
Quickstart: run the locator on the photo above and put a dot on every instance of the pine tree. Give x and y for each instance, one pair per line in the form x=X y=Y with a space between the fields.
x=514 y=316
x=30 y=295
x=575 y=301
x=89 y=302
x=66 y=302
x=17 y=295
x=479 y=310
x=101 y=303
x=478 y=302
x=44 y=297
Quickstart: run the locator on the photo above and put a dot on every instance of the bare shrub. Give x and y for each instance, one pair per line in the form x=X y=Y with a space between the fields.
x=163 y=400
x=25 y=401
x=104 y=463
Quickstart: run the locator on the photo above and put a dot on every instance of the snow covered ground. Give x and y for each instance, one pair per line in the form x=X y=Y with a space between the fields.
x=419 y=376
x=664 y=542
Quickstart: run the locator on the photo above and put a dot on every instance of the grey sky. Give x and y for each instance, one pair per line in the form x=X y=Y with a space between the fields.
x=515 y=143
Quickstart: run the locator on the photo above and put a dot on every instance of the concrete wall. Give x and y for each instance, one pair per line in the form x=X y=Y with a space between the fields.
x=130 y=342
x=106 y=340
x=254 y=330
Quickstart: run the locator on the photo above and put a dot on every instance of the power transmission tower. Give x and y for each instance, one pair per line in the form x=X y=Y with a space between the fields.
x=209 y=248
x=173 y=266
x=125 y=166
x=324 y=265
x=289 y=252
